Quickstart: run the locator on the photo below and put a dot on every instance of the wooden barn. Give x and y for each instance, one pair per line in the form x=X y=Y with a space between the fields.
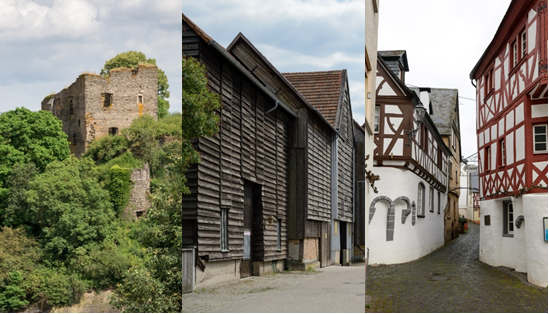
x=328 y=92
x=262 y=198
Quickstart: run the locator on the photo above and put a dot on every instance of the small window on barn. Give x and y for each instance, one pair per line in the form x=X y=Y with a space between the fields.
x=113 y=131
x=278 y=236
x=224 y=230
x=106 y=99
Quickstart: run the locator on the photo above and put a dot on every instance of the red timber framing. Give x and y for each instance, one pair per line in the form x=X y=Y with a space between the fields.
x=426 y=155
x=511 y=99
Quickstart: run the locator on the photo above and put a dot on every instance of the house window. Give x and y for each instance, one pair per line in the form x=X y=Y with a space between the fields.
x=523 y=43
x=278 y=236
x=431 y=200
x=438 y=201
x=376 y=120
x=487 y=159
x=540 y=138
x=450 y=169
x=421 y=200
x=106 y=99
x=488 y=79
x=514 y=54
x=508 y=220
x=224 y=229
x=113 y=131
x=501 y=151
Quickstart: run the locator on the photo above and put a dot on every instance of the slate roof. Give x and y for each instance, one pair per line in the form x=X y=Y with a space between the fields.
x=443 y=102
x=321 y=89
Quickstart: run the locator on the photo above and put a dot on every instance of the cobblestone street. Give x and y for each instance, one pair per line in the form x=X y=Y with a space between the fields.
x=451 y=279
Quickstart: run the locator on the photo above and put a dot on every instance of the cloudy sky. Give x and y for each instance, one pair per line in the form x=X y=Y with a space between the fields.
x=294 y=35
x=46 y=44
x=444 y=40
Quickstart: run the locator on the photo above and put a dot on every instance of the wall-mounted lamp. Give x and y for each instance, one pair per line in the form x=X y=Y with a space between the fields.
x=419 y=112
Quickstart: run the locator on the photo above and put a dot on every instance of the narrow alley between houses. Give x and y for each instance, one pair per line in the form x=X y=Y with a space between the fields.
x=334 y=289
x=451 y=279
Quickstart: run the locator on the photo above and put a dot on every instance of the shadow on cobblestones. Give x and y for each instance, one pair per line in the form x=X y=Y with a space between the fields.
x=452 y=279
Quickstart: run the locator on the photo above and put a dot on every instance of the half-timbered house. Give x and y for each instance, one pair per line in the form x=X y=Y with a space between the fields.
x=328 y=92
x=511 y=83
x=406 y=220
x=443 y=108
x=262 y=196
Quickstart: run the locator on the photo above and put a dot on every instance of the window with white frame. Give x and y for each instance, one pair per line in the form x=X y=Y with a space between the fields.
x=431 y=200
x=523 y=43
x=421 y=200
x=508 y=220
x=224 y=229
x=376 y=120
x=540 y=138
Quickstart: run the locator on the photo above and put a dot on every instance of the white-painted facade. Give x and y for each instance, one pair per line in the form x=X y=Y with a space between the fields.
x=406 y=216
x=417 y=236
x=511 y=80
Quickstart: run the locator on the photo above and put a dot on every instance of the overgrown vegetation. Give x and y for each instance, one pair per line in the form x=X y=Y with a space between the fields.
x=62 y=231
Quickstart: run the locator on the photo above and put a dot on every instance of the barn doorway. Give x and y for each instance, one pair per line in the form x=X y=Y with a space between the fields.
x=246 y=266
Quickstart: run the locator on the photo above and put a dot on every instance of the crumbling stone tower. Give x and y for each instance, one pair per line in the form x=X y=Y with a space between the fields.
x=95 y=106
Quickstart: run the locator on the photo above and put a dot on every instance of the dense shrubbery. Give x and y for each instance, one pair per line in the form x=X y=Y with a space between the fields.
x=61 y=232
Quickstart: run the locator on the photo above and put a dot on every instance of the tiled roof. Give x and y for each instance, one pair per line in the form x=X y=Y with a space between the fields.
x=321 y=89
x=444 y=102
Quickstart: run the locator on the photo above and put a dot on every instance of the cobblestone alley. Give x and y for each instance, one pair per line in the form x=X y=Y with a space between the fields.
x=451 y=279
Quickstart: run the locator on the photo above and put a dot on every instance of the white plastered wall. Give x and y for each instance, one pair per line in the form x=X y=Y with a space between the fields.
x=526 y=251
x=409 y=242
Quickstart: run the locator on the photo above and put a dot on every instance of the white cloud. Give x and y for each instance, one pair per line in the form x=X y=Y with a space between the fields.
x=46 y=44
x=23 y=20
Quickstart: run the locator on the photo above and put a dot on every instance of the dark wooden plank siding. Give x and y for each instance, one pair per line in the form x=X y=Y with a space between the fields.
x=319 y=156
x=251 y=145
x=345 y=161
x=360 y=189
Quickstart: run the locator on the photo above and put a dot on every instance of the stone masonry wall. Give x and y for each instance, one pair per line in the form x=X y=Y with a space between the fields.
x=139 y=195
x=95 y=106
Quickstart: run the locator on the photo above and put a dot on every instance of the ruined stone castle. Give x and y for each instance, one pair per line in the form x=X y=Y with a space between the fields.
x=95 y=106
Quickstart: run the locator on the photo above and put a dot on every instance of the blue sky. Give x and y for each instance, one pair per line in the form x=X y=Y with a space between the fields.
x=46 y=44
x=294 y=35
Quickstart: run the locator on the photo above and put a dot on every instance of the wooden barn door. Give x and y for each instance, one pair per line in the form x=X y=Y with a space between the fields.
x=246 y=266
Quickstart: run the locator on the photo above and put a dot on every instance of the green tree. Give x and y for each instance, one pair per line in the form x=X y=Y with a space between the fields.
x=131 y=60
x=12 y=297
x=69 y=207
x=156 y=287
x=199 y=110
x=28 y=136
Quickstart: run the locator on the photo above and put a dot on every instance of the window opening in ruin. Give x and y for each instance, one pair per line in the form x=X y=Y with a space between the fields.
x=106 y=99
x=74 y=138
x=113 y=131
x=139 y=99
x=78 y=122
x=71 y=108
